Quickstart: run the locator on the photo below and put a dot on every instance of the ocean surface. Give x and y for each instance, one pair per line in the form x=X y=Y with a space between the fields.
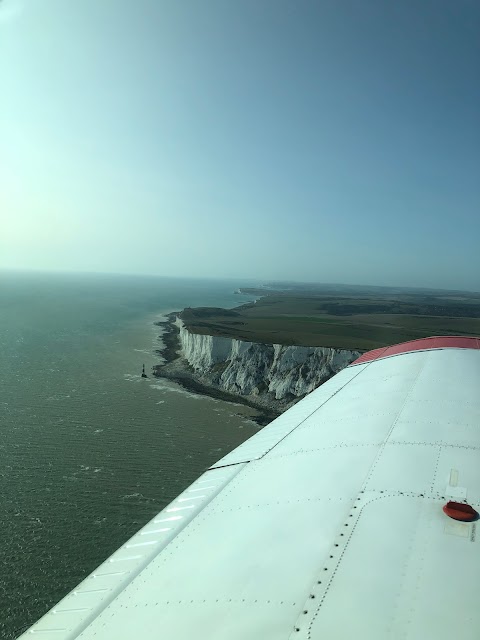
x=90 y=451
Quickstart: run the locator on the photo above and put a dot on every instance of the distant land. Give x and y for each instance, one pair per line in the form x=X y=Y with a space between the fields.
x=340 y=316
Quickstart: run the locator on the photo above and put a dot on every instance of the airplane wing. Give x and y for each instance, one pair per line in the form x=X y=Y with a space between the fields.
x=327 y=524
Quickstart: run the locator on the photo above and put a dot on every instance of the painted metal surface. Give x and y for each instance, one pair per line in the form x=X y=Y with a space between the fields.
x=434 y=342
x=82 y=605
x=331 y=524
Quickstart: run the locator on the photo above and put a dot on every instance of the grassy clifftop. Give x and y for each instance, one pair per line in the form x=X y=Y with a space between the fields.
x=357 y=318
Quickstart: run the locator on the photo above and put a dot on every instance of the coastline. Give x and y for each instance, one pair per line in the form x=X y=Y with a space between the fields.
x=176 y=369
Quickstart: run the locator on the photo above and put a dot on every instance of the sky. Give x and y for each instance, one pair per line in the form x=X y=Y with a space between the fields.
x=323 y=140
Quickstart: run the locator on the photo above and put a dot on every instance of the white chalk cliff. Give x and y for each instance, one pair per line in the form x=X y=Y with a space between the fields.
x=261 y=371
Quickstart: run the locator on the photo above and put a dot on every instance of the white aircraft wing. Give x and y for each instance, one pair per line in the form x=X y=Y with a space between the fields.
x=327 y=524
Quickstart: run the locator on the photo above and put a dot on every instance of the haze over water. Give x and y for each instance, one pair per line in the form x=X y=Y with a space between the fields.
x=89 y=451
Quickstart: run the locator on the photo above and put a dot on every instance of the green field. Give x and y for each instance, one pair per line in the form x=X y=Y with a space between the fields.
x=361 y=319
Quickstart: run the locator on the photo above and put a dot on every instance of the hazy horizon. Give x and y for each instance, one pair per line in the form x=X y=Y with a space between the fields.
x=331 y=141
x=237 y=280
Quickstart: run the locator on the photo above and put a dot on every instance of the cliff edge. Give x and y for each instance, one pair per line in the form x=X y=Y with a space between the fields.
x=269 y=377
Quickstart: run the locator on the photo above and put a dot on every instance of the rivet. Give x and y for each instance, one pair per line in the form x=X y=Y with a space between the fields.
x=305 y=611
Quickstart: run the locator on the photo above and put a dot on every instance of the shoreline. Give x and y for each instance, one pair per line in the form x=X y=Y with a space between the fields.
x=170 y=340
x=176 y=369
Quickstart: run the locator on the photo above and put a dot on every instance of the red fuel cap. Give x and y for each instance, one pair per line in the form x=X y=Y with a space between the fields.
x=460 y=511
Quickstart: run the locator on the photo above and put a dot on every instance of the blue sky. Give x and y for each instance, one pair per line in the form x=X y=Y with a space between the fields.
x=326 y=140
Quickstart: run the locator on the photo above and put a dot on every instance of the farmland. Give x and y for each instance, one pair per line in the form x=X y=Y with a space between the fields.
x=343 y=317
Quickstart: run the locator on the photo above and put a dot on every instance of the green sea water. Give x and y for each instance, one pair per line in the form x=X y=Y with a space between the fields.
x=90 y=451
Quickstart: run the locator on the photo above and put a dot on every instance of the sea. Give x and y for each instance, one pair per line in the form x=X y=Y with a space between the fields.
x=90 y=451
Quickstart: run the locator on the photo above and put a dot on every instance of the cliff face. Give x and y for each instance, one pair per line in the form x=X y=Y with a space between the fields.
x=263 y=372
